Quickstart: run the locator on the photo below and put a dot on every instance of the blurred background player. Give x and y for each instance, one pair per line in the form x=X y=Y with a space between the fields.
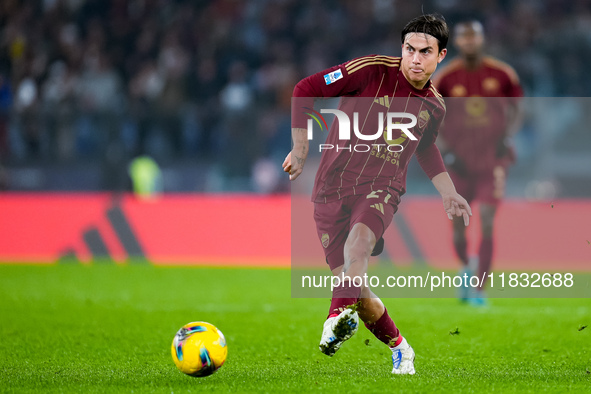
x=355 y=202
x=475 y=138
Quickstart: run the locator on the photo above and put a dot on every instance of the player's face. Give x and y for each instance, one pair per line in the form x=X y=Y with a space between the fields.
x=420 y=56
x=469 y=39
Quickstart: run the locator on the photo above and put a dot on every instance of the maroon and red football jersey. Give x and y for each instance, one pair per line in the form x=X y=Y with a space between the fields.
x=372 y=86
x=476 y=119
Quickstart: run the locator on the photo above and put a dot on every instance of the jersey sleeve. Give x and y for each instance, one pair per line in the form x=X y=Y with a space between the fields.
x=427 y=153
x=332 y=82
x=512 y=85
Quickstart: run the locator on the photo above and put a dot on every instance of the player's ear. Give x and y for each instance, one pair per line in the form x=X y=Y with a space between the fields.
x=442 y=54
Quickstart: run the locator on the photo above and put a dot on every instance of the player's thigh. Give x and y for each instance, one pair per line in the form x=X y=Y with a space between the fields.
x=375 y=210
x=337 y=270
x=332 y=225
x=360 y=242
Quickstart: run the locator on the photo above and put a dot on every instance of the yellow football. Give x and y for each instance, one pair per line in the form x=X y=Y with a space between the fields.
x=199 y=349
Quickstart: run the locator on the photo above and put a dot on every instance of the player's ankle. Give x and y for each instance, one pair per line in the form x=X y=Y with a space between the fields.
x=397 y=342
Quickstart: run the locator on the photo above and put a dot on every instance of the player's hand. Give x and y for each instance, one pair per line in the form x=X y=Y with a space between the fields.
x=293 y=167
x=456 y=205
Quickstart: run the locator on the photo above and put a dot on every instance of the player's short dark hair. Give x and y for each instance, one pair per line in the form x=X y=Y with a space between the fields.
x=469 y=20
x=432 y=24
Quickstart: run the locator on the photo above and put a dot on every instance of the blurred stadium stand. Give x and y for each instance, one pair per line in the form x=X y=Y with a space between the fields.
x=204 y=87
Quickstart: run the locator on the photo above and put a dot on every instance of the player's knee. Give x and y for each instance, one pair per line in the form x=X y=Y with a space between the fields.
x=360 y=241
x=338 y=270
x=487 y=229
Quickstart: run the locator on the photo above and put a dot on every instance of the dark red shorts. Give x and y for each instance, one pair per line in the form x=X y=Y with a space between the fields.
x=486 y=187
x=335 y=219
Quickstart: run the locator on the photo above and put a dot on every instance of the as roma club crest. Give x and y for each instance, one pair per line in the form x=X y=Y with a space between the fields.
x=423 y=119
x=325 y=240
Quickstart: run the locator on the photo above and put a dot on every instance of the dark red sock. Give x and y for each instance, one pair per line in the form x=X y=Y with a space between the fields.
x=343 y=296
x=385 y=330
x=461 y=248
x=485 y=258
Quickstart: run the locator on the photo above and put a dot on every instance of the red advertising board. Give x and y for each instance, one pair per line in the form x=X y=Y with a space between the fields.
x=256 y=231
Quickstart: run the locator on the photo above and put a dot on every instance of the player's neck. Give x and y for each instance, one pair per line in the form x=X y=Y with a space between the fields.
x=419 y=85
x=473 y=62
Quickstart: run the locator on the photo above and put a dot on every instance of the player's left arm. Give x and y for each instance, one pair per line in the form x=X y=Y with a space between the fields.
x=430 y=160
x=515 y=112
x=515 y=116
x=453 y=203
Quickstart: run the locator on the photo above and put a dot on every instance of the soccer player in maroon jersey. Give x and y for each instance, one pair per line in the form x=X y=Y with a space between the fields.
x=357 y=193
x=474 y=137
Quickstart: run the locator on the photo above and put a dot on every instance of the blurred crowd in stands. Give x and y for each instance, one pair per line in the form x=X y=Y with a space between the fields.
x=210 y=81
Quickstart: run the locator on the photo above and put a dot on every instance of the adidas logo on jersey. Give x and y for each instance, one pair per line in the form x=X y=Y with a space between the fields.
x=383 y=101
x=379 y=207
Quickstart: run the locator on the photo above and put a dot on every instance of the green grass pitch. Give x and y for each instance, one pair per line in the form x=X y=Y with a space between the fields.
x=109 y=329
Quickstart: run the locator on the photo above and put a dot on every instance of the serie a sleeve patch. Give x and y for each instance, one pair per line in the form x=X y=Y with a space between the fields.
x=333 y=76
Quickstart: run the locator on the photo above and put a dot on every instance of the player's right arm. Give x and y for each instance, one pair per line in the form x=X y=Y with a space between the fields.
x=332 y=82
x=294 y=162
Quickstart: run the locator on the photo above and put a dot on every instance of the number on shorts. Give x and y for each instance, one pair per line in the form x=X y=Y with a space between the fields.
x=374 y=194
